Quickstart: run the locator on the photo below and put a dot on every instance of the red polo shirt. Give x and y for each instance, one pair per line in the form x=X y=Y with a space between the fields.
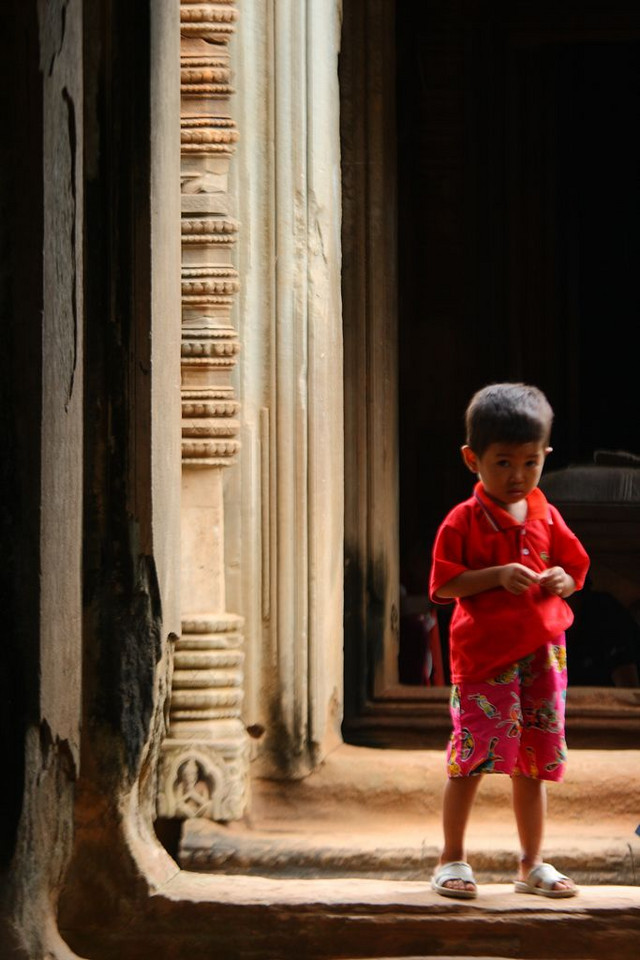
x=495 y=628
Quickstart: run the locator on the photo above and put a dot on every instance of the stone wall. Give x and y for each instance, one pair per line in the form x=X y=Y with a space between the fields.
x=90 y=284
x=90 y=291
x=42 y=427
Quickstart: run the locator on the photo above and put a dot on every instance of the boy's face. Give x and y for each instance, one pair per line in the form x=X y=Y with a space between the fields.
x=508 y=471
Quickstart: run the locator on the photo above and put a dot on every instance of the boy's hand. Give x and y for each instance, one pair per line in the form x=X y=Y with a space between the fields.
x=516 y=578
x=555 y=580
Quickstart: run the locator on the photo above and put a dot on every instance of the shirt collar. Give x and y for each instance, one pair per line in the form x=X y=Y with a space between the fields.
x=500 y=519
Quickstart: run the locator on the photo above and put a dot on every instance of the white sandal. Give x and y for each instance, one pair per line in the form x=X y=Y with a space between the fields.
x=541 y=880
x=454 y=870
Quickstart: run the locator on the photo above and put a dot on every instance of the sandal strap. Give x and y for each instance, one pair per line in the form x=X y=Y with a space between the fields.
x=545 y=875
x=455 y=870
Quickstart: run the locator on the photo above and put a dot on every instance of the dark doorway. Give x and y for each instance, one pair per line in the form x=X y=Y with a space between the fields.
x=519 y=239
x=490 y=202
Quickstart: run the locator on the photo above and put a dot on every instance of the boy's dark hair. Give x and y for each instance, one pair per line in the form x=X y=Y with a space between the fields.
x=507 y=413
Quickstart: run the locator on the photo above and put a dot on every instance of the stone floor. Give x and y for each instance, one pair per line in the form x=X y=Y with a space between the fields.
x=259 y=918
x=342 y=860
x=376 y=813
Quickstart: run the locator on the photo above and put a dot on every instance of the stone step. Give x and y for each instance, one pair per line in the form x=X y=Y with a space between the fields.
x=233 y=849
x=376 y=813
x=363 y=781
x=338 y=865
x=255 y=918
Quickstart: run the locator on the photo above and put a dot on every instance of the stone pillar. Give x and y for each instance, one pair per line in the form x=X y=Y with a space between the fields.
x=204 y=770
x=285 y=535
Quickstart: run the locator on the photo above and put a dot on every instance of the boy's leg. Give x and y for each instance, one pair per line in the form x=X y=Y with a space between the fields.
x=459 y=794
x=543 y=749
x=530 y=807
x=479 y=743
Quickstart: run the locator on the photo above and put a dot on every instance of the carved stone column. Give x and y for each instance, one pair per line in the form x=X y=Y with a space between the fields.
x=285 y=541
x=204 y=771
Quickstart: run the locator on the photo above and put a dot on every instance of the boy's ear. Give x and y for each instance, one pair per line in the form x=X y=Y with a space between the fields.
x=469 y=458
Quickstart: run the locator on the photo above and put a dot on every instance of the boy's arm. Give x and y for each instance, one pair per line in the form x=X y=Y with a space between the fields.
x=569 y=558
x=514 y=577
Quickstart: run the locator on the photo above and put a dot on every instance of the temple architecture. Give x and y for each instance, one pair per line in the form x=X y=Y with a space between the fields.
x=207 y=272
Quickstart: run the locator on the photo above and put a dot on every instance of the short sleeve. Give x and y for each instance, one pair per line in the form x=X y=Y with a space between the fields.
x=568 y=552
x=447 y=560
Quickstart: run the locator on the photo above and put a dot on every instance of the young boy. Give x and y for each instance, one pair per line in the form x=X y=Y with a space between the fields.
x=508 y=561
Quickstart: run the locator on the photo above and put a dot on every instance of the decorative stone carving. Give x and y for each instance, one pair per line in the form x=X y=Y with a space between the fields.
x=208 y=21
x=205 y=765
x=204 y=769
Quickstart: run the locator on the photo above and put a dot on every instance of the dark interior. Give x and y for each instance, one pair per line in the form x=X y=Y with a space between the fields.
x=519 y=237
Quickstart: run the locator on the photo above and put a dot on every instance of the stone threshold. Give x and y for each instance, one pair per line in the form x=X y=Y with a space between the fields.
x=254 y=918
x=322 y=919
x=337 y=867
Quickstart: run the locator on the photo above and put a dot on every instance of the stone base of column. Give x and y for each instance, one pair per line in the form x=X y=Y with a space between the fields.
x=204 y=764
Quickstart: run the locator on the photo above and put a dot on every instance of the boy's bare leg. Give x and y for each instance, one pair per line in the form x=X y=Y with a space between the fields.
x=530 y=809
x=459 y=794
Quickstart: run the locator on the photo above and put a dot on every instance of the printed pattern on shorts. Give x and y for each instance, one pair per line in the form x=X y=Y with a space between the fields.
x=513 y=723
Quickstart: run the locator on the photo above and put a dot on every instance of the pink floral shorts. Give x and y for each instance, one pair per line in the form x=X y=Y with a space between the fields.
x=514 y=723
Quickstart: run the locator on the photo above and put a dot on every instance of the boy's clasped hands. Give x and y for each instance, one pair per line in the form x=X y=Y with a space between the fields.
x=516 y=578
